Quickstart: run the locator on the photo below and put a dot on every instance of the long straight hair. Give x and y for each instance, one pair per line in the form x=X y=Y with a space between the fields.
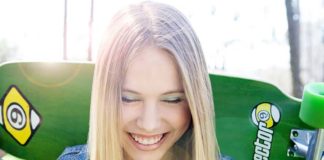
x=132 y=29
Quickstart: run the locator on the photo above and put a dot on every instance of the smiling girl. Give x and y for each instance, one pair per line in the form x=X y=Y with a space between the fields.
x=151 y=95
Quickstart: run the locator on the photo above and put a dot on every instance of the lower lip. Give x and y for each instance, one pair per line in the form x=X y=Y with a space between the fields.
x=148 y=147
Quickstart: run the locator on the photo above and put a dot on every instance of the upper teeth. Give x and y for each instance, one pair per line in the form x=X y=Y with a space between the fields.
x=145 y=140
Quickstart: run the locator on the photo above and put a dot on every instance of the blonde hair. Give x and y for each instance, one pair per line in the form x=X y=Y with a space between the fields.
x=132 y=29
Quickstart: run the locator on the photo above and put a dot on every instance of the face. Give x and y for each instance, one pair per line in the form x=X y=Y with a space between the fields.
x=155 y=112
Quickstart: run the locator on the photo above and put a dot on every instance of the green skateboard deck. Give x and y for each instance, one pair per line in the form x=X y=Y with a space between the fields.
x=254 y=119
x=58 y=93
x=45 y=108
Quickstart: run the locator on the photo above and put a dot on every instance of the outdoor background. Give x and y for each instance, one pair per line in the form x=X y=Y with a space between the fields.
x=279 y=41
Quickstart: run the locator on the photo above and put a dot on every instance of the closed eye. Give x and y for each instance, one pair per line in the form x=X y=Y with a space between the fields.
x=129 y=99
x=173 y=100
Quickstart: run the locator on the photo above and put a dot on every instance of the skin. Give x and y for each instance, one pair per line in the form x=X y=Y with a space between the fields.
x=153 y=106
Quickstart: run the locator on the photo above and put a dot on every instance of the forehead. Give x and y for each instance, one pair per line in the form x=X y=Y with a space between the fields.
x=153 y=68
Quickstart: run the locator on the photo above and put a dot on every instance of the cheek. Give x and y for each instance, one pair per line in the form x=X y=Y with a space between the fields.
x=127 y=115
x=179 y=117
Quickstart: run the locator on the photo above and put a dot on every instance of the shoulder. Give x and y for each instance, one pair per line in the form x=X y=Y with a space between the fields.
x=78 y=152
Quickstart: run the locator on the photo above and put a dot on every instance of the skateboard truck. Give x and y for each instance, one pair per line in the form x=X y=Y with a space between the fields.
x=310 y=144
x=304 y=142
x=301 y=140
x=319 y=147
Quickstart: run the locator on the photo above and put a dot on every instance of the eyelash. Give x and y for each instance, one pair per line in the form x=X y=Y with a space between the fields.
x=176 y=100
x=128 y=100
x=172 y=101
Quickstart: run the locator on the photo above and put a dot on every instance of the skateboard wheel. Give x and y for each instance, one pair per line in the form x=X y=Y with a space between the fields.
x=312 y=105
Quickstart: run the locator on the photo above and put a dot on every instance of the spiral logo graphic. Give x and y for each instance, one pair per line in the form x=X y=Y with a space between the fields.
x=16 y=116
x=263 y=115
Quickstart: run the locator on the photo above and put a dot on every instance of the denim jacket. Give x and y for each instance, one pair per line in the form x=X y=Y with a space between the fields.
x=80 y=152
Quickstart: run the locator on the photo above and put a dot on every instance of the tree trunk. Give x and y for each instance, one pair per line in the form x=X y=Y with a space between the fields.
x=293 y=15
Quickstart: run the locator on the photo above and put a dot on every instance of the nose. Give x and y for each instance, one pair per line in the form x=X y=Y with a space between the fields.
x=149 y=119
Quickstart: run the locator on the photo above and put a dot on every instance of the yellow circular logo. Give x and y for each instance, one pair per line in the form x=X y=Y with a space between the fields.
x=267 y=113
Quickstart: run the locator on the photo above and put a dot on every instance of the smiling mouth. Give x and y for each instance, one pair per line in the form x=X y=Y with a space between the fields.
x=147 y=140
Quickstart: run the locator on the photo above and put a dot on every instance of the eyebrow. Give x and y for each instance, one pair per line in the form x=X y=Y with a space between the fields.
x=165 y=93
